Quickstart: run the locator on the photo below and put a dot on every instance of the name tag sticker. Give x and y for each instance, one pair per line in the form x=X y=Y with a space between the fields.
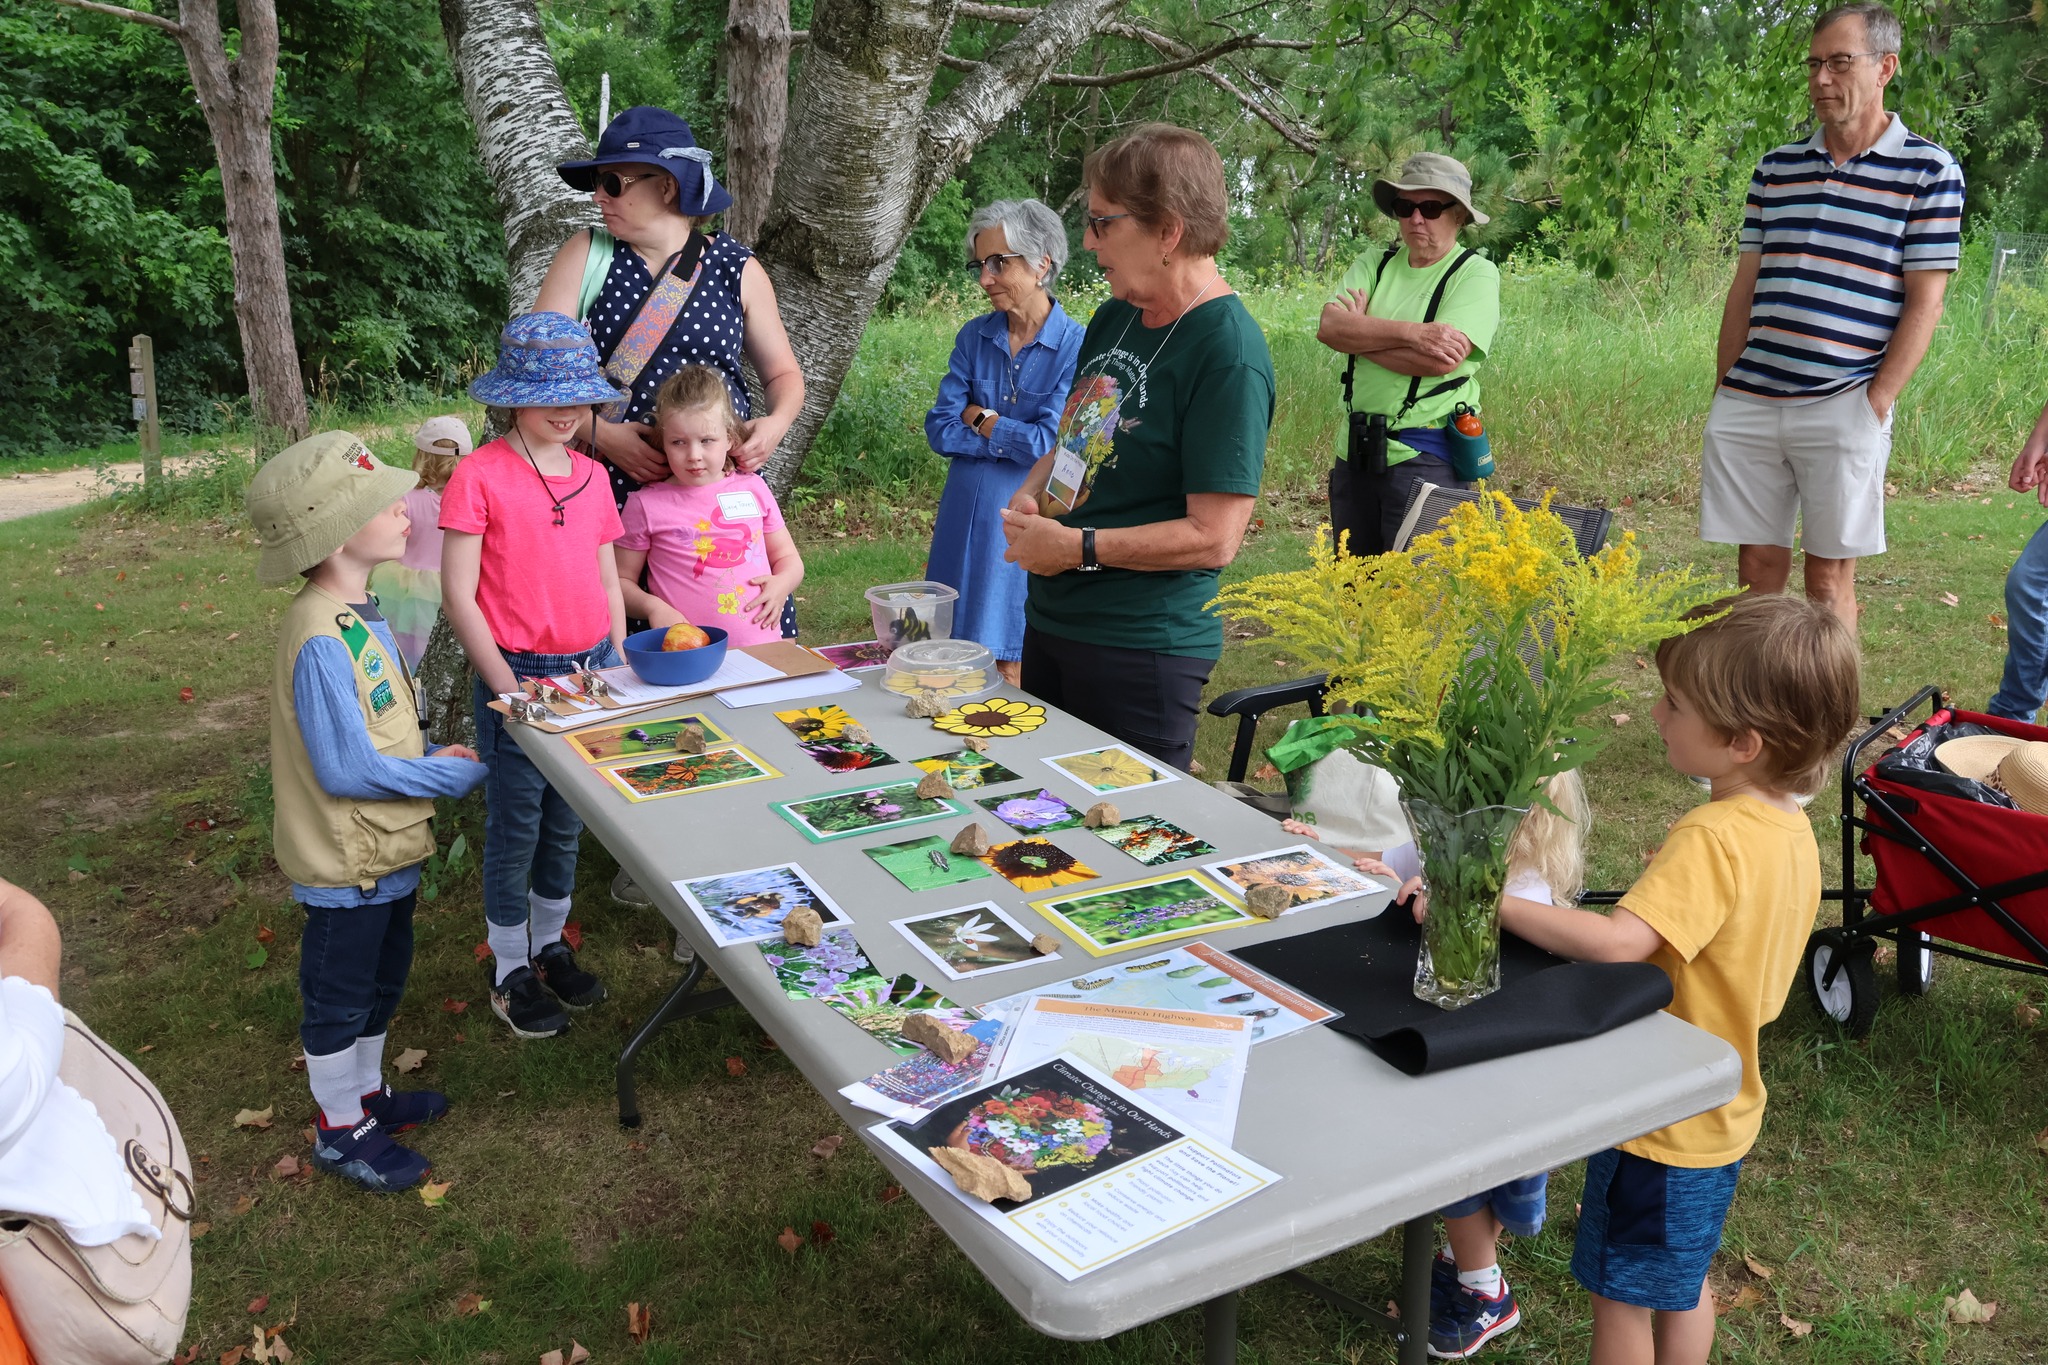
x=738 y=506
x=1069 y=473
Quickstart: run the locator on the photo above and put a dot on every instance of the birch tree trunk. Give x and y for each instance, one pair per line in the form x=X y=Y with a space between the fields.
x=757 y=77
x=524 y=129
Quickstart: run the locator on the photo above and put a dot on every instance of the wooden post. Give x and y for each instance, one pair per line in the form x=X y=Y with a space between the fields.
x=149 y=432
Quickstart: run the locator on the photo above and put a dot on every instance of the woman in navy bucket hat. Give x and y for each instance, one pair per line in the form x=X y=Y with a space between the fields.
x=653 y=263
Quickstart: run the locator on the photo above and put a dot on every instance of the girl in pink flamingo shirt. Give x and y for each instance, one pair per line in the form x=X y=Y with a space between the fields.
x=711 y=541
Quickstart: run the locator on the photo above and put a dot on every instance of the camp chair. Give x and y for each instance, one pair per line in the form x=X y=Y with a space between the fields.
x=1426 y=510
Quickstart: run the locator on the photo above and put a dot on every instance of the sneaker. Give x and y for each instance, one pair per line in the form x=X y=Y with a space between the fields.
x=570 y=984
x=627 y=892
x=527 y=1009
x=1443 y=1282
x=366 y=1155
x=401 y=1111
x=1468 y=1322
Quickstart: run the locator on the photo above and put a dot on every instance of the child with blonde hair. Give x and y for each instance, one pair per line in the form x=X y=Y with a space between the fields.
x=711 y=540
x=408 y=590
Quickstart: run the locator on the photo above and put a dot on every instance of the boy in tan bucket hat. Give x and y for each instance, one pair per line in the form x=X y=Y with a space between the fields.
x=354 y=787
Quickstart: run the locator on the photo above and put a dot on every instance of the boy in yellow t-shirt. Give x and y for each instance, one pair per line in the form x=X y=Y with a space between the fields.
x=1754 y=702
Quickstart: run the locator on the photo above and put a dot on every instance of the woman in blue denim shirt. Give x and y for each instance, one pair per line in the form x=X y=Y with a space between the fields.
x=998 y=411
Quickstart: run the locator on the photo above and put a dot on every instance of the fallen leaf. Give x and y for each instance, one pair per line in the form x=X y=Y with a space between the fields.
x=1621 y=718
x=469 y=1305
x=410 y=1059
x=99 y=606
x=827 y=1146
x=243 y=1205
x=75 y=875
x=434 y=1194
x=1265 y=772
x=577 y=1355
x=639 y=1322
x=788 y=1240
x=1742 y=1300
x=1195 y=768
x=233 y=1355
x=768 y=1044
x=310 y=1134
x=2026 y=1014
x=1949 y=599
x=1964 y=1309
x=453 y=1006
x=735 y=1067
x=572 y=934
x=184 y=694
x=891 y=1193
x=265 y=934
x=234 y=635
x=147 y=1047
x=287 y=1168
x=483 y=951
x=254 y=1118
x=258 y=1304
x=551 y=1358
x=186 y=1357
x=1757 y=1268
x=281 y=1354
x=1794 y=1325
x=121 y=577
x=200 y=1230
x=822 y=1234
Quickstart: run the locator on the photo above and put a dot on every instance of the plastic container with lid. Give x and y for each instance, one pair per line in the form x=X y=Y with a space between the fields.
x=908 y=612
x=951 y=670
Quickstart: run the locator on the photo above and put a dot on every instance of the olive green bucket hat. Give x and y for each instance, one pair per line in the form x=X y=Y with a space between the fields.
x=311 y=497
x=1429 y=171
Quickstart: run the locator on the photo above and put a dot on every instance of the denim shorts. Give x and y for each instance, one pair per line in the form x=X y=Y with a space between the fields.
x=1647 y=1231
x=1519 y=1204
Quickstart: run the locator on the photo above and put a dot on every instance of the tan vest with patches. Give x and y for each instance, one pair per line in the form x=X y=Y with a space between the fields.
x=324 y=840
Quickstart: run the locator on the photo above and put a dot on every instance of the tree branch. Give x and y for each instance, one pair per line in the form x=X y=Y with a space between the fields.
x=134 y=16
x=995 y=87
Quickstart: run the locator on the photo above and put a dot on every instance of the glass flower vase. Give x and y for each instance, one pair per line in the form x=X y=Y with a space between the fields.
x=1465 y=862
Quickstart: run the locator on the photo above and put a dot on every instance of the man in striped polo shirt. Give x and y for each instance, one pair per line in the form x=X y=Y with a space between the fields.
x=1847 y=245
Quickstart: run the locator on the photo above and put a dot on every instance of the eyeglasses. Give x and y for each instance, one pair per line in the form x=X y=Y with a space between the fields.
x=993 y=264
x=1431 y=209
x=611 y=184
x=1097 y=222
x=1839 y=63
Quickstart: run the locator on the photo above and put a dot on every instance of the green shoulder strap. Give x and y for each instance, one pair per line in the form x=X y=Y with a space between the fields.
x=596 y=265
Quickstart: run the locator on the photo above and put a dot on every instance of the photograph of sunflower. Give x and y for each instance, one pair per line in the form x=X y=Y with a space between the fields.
x=1120 y=917
x=1112 y=768
x=1153 y=841
x=1307 y=874
x=1036 y=865
x=812 y=723
x=992 y=717
x=966 y=770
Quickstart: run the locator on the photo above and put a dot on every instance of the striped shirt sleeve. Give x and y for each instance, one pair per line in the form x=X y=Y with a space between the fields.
x=1933 y=237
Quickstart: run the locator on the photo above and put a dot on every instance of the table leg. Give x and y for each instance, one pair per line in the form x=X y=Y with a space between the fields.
x=680 y=1003
x=1219 y=1330
x=1418 y=1245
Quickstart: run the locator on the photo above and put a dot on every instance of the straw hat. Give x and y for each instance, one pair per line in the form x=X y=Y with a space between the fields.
x=2018 y=766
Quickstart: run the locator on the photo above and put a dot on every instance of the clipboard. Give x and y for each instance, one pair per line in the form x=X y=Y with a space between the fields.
x=791 y=658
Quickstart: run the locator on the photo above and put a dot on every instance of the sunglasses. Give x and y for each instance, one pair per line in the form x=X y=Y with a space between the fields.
x=1431 y=209
x=611 y=184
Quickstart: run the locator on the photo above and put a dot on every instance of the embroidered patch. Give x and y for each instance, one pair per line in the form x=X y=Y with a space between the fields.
x=373 y=664
x=359 y=455
x=382 y=699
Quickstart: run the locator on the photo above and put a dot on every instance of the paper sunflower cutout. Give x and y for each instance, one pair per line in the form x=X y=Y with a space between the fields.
x=953 y=683
x=1110 y=769
x=993 y=717
x=1037 y=865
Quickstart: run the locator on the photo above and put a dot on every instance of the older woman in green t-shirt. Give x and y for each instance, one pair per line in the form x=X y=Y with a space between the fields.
x=1406 y=365
x=1125 y=526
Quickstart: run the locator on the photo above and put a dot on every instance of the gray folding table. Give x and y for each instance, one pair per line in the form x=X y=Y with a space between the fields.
x=1362 y=1148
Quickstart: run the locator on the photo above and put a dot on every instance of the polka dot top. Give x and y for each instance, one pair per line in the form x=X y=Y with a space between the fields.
x=708 y=331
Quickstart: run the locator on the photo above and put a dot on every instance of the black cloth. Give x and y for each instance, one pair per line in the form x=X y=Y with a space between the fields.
x=1147 y=700
x=1372 y=508
x=1367 y=969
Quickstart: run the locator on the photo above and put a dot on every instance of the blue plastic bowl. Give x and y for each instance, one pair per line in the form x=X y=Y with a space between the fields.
x=674 y=668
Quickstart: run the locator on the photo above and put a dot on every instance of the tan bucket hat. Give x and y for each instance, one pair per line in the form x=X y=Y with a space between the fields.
x=2018 y=766
x=311 y=497
x=1429 y=171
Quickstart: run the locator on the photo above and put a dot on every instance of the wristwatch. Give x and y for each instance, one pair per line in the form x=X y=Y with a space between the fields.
x=1088 y=561
x=985 y=415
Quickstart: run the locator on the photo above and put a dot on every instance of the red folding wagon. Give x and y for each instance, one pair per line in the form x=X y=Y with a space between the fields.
x=1958 y=869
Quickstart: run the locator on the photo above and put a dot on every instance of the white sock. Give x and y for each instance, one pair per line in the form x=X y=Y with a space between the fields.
x=333 y=1079
x=508 y=946
x=548 y=917
x=1485 y=1282
x=370 y=1064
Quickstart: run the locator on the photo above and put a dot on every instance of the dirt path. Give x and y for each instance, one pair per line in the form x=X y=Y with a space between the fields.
x=24 y=495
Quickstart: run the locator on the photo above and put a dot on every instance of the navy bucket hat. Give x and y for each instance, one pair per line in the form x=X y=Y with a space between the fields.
x=545 y=360
x=646 y=135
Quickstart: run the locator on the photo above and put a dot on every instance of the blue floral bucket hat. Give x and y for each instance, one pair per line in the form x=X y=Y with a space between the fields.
x=545 y=360
x=650 y=136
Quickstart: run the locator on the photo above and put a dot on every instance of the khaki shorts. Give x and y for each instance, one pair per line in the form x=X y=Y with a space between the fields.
x=1767 y=466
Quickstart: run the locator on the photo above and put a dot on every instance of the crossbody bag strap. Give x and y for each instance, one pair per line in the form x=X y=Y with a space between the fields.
x=1351 y=362
x=683 y=263
x=1429 y=315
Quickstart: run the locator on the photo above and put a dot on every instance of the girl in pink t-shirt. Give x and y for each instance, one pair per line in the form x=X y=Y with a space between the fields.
x=408 y=590
x=712 y=542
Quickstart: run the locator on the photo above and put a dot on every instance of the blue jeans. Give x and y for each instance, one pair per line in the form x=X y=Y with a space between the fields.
x=530 y=832
x=352 y=968
x=2024 y=688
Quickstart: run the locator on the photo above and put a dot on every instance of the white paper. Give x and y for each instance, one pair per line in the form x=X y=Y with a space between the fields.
x=791 y=689
x=627 y=689
x=1197 y=977
x=1318 y=879
x=1189 y=1064
x=1135 y=1203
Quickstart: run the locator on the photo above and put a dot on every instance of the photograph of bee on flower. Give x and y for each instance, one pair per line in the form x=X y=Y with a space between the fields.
x=1467 y=666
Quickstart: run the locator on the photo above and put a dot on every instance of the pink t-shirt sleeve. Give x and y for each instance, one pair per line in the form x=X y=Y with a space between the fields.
x=464 y=506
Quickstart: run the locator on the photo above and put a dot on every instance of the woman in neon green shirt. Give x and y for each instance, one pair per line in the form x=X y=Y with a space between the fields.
x=1412 y=371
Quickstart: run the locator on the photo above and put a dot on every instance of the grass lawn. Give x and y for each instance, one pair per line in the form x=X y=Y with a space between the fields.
x=1891 y=1174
